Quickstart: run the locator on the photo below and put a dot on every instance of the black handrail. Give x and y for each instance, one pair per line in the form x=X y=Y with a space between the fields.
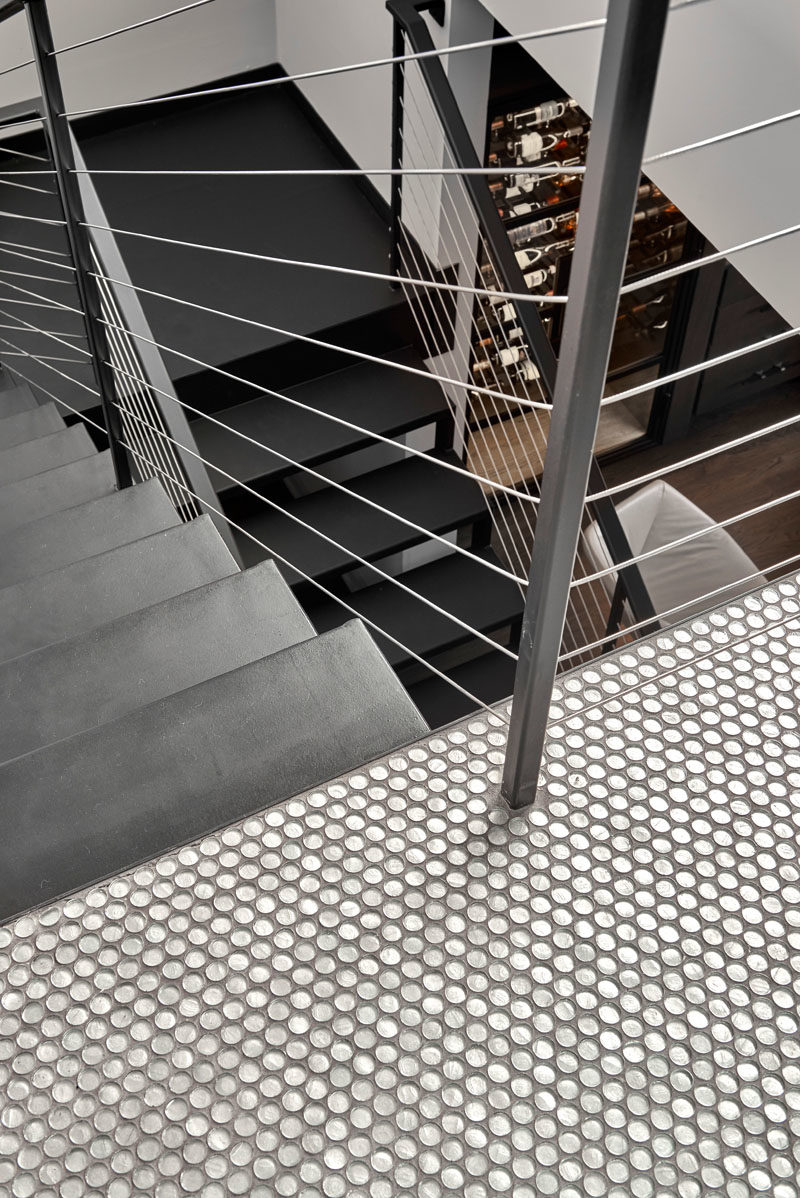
x=409 y=22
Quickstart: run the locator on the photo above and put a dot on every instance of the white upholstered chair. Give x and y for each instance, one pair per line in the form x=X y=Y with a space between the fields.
x=657 y=515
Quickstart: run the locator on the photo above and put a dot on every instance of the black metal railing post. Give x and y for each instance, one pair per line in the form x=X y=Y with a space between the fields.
x=629 y=62
x=396 y=204
x=58 y=136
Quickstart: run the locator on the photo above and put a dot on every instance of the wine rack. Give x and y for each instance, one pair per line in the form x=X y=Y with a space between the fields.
x=540 y=215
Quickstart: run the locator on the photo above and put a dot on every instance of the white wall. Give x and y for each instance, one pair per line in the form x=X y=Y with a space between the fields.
x=195 y=47
x=725 y=64
x=357 y=106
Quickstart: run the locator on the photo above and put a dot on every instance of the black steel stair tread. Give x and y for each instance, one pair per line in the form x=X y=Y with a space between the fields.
x=45 y=453
x=84 y=531
x=54 y=490
x=16 y=399
x=417 y=488
x=100 y=802
x=92 y=679
x=378 y=398
x=67 y=602
x=465 y=588
x=30 y=424
x=489 y=678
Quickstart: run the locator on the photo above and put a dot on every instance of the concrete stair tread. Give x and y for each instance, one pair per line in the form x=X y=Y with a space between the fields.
x=67 y=486
x=92 y=679
x=45 y=453
x=377 y=398
x=30 y=424
x=417 y=488
x=76 y=598
x=455 y=583
x=16 y=399
x=90 y=528
x=97 y=803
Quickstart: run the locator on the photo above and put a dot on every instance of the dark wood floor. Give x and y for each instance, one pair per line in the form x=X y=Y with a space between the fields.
x=724 y=485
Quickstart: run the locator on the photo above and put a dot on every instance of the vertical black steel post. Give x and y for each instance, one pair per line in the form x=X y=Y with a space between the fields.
x=398 y=88
x=58 y=135
x=629 y=62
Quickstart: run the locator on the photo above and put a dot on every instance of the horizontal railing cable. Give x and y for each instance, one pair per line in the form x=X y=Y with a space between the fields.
x=338 y=599
x=41 y=261
x=694 y=459
x=34 y=328
x=8 y=182
x=652 y=679
x=47 y=299
x=348 y=351
x=444 y=51
x=425 y=532
x=18 y=66
x=719 y=137
x=40 y=249
x=22 y=353
x=21 y=274
x=335 y=172
x=37 y=220
x=101 y=37
x=19 y=154
x=357 y=559
x=252 y=255
x=683 y=268
x=451 y=467
x=692 y=536
x=34 y=358
x=700 y=367
x=57 y=399
x=348 y=68
x=628 y=629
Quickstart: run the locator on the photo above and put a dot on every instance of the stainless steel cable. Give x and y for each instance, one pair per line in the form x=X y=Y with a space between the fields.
x=295 y=336
x=57 y=399
x=435 y=350
x=479 y=704
x=356 y=66
x=34 y=358
x=685 y=540
x=40 y=249
x=694 y=459
x=425 y=532
x=390 y=441
x=59 y=337
x=140 y=398
x=683 y=268
x=350 y=552
x=629 y=629
x=719 y=137
x=21 y=274
x=434 y=285
x=101 y=37
x=700 y=367
x=47 y=299
x=31 y=258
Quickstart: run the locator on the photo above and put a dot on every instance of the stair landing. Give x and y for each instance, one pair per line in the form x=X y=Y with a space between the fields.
x=391 y=983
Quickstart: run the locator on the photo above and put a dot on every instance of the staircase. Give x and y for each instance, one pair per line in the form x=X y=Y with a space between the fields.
x=150 y=690
x=337 y=409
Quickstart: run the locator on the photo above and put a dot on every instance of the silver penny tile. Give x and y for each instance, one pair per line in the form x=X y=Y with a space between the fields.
x=391 y=985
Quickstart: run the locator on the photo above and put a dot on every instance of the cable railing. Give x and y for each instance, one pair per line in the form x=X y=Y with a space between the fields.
x=520 y=421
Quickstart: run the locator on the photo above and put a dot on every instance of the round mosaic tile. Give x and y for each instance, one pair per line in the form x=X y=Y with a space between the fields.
x=393 y=985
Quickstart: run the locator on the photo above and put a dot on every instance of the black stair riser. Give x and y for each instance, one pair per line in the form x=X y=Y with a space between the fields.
x=296 y=361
